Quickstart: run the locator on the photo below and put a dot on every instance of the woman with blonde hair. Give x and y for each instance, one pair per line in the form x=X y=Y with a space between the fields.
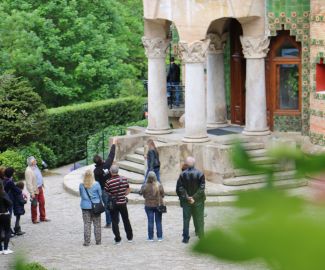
x=153 y=193
x=90 y=193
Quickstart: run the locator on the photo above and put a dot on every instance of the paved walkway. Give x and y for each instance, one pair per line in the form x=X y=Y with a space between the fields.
x=58 y=244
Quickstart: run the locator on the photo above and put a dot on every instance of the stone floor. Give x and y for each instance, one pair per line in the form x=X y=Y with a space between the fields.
x=58 y=244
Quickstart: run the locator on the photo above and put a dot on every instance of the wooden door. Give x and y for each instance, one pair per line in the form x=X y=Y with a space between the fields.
x=238 y=74
x=283 y=77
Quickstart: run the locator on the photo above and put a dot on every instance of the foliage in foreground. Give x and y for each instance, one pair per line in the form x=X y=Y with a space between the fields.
x=20 y=264
x=22 y=113
x=286 y=232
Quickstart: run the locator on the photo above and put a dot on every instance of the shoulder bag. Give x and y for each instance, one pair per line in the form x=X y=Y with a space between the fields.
x=161 y=208
x=97 y=208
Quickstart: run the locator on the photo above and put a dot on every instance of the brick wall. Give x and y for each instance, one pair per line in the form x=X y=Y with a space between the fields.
x=317 y=52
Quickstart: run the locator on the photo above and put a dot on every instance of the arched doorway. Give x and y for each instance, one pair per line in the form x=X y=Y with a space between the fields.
x=283 y=77
x=237 y=73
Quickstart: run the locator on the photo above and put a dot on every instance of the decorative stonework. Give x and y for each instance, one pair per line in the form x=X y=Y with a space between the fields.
x=294 y=16
x=194 y=52
x=155 y=47
x=286 y=123
x=255 y=47
x=217 y=42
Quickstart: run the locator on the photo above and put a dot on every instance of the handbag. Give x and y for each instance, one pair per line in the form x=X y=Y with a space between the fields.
x=161 y=208
x=97 y=208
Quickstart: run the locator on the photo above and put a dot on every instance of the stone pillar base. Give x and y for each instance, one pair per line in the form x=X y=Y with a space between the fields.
x=217 y=125
x=195 y=139
x=158 y=131
x=256 y=133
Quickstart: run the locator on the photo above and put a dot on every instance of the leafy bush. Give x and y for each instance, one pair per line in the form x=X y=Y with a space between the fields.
x=70 y=126
x=22 y=113
x=98 y=143
x=13 y=158
x=17 y=157
x=20 y=264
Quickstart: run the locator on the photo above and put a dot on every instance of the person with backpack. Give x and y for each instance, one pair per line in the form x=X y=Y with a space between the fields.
x=102 y=173
x=5 y=229
x=153 y=193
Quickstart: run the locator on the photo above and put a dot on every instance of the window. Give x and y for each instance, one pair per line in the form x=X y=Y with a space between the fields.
x=288 y=87
x=320 y=76
x=287 y=49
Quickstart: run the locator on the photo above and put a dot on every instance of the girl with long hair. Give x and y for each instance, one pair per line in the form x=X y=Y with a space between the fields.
x=153 y=163
x=153 y=193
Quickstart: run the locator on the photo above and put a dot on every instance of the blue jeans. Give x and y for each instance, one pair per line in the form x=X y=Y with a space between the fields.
x=174 y=95
x=105 y=201
x=153 y=215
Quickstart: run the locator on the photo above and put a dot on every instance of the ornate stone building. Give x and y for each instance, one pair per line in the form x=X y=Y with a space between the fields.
x=275 y=52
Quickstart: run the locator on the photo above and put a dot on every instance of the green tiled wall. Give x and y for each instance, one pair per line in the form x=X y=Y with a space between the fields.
x=293 y=15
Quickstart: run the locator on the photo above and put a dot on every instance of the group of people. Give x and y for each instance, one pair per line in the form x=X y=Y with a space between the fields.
x=13 y=199
x=104 y=184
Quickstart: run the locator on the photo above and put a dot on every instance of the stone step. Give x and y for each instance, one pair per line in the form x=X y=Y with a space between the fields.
x=257 y=153
x=140 y=151
x=134 y=178
x=263 y=160
x=260 y=178
x=277 y=168
x=253 y=146
x=131 y=166
x=173 y=200
x=135 y=158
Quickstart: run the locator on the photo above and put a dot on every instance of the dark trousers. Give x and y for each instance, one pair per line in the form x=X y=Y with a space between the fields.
x=105 y=197
x=197 y=211
x=123 y=210
x=41 y=203
x=5 y=231
x=17 y=225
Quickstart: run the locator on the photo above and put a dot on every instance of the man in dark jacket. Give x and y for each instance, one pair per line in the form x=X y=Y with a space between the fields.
x=190 y=189
x=102 y=173
x=173 y=81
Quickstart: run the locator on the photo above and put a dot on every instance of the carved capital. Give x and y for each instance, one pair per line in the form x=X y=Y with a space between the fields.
x=255 y=47
x=155 y=47
x=217 y=43
x=194 y=52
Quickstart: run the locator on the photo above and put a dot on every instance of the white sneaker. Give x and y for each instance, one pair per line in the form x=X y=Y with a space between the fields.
x=160 y=239
x=7 y=251
x=149 y=240
x=117 y=243
x=130 y=241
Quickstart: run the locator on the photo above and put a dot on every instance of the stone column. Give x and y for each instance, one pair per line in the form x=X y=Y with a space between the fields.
x=216 y=92
x=193 y=56
x=157 y=87
x=255 y=50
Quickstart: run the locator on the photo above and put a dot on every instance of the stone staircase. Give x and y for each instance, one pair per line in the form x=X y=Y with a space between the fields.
x=222 y=193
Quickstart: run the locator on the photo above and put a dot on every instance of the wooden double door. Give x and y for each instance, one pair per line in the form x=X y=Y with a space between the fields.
x=282 y=76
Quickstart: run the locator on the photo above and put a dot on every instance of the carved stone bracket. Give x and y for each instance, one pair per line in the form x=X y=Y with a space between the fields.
x=194 y=52
x=217 y=43
x=255 y=47
x=155 y=47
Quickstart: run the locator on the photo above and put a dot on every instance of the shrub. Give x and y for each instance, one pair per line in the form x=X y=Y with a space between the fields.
x=22 y=113
x=13 y=158
x=70 y=126
x=98 y=143
x=17 y=157
x=20 y=264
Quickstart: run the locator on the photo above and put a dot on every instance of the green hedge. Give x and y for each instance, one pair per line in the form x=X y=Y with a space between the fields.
x=71 y=126
x=99 y=142
x=16 y=157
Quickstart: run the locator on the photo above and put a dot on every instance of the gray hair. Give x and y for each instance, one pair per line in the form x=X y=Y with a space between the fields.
x=152 y=177
x=30 y=160
x=114 y=169
x=190 y=161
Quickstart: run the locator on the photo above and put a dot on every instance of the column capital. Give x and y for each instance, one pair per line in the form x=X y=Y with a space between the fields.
x=194 y=52
x=255 y=47
x=217 y=42
x=155 y=47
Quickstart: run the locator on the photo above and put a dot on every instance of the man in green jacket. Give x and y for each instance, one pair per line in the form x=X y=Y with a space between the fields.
x=190 y=189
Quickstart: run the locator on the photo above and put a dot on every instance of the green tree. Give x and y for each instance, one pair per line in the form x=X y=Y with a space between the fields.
x=72 y=50
x=22 y=113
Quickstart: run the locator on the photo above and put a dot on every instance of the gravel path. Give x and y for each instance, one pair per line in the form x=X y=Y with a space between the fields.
x=58 y=244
